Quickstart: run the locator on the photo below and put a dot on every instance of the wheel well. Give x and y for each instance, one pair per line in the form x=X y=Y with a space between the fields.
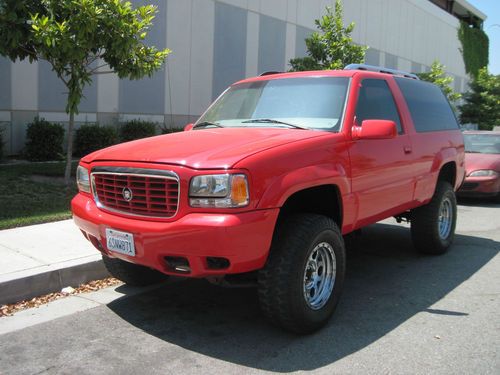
x=323 y=200
x=448 y=173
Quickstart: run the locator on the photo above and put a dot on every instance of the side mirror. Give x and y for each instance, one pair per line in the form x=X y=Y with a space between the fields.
x=375 y=129
x=188 y=127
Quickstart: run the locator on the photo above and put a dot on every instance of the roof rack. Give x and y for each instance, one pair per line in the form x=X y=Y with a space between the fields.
x=380 y=69
x=271 y=72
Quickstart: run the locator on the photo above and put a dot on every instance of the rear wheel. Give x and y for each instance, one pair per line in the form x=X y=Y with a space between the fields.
x=132 y=274
x=301 y=283
x=433 y=225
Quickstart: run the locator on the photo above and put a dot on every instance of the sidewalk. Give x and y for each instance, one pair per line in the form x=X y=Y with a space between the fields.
x=45 y=258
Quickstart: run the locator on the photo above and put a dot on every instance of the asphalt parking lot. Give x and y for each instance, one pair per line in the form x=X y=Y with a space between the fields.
x=400 y=313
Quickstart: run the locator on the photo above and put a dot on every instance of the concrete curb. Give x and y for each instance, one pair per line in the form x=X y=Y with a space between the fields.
x=26 y=284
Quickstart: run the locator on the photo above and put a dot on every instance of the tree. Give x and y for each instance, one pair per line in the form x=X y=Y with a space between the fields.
x=437 y=75
x=482 y=103
x=79 y=39
x=333 y=47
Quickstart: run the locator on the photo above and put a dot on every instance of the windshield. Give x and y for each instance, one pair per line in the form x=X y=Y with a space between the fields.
x=482 y=143
x=312 y=103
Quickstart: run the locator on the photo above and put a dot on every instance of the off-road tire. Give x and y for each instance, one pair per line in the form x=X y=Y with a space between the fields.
x=425 y=222
x=281 y=281
x=132 y=274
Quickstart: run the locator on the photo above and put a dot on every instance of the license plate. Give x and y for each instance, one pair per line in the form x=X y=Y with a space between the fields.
x=120 y=242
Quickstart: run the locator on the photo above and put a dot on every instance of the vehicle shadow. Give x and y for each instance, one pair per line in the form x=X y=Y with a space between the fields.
x=479 y=202
x=387 y=284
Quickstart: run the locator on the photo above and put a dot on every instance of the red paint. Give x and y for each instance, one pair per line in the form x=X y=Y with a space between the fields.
x=375 y=129
x=377 y=173
x=155 y=197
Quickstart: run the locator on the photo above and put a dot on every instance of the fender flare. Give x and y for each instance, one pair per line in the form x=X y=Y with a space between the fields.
x=284 y=186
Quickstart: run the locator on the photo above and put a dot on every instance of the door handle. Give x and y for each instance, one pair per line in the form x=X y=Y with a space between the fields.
x=407 y=149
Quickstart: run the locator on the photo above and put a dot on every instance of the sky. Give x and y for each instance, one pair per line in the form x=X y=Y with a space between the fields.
x=492 y=27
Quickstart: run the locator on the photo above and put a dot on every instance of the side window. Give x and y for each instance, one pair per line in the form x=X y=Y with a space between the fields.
x=375 y=102
x=429 y=108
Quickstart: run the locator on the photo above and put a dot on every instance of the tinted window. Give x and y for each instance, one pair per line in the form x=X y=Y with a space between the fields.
x=428 y=106
x=375 y=102
x=309 y=102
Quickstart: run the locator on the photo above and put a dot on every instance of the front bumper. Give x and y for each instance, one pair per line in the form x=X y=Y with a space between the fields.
x=480 y=187
x=243 y=239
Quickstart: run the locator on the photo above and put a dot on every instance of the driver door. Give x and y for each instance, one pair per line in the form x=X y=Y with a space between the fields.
x=382 y=177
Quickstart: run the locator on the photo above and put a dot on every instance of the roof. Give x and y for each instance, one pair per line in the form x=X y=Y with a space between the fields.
x=310 y=73
x=466 y=6
x=323 y=73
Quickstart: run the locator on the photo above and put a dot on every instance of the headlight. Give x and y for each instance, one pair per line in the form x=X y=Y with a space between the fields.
x=219 y=191
x=82 y=179
x=484 y=173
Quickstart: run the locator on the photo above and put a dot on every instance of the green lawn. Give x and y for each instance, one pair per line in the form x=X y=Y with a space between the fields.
x=33 y=193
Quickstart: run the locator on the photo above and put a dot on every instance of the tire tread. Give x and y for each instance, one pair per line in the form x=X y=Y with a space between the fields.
x=274 y=279
x=424 y=230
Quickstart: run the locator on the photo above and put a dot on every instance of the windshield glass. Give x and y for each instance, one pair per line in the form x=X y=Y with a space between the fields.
x=314 y=103
x=482 y=143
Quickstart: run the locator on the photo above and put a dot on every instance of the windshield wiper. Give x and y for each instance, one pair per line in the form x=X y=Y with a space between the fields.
x=272 y=121
x=208 y=123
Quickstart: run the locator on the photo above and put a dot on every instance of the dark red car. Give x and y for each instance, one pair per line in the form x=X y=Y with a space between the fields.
x=482 y=164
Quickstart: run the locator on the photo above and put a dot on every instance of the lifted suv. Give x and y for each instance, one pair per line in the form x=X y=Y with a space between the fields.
x=268 y=181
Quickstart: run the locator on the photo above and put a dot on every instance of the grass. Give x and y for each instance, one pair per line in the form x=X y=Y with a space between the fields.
x=34 y=193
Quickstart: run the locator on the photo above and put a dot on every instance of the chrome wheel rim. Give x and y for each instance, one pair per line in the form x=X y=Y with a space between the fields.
x=319 y=275
x=445 y=219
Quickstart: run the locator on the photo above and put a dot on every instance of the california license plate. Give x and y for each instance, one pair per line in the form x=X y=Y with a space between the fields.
x=120 y=242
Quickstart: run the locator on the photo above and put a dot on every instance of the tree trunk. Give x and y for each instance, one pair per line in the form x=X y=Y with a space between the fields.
x=69 y=152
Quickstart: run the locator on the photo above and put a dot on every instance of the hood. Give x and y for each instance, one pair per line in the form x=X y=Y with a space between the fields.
x=202 y=149
x=474 y=162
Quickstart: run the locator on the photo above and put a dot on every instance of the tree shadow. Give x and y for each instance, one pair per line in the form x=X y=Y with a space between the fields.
x=387 y=284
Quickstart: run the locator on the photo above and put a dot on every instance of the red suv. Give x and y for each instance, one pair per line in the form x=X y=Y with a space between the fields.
x=267 y=182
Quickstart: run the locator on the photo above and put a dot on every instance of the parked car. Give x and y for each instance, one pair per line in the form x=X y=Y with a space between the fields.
x=482 y=164
x=263 y=187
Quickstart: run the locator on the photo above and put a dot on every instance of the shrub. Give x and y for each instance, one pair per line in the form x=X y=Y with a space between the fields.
x=171 y=130
x=136 y=129
x=1 y=143
x=44 y=140
x=92 y=137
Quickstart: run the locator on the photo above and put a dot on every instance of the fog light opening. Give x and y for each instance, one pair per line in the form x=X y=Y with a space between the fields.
x=97 y=244
x=217 y=263
x=178 y=264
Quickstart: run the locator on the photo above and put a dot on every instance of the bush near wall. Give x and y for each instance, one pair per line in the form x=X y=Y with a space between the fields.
x=44 y=141
x=1 y=143
x=136 y=129
x=165 y=130
x=92 y=137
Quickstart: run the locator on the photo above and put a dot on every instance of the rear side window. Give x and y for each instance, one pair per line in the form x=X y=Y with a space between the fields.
x=428 y=106
x=375 y=102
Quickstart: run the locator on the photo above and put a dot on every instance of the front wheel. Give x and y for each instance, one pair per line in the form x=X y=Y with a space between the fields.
x=301 y=283
x=433 y=225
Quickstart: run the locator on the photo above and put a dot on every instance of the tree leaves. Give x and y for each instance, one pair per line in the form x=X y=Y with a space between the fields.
x=437 y=75
x=333 y=48
x=72 y=34
x=68 y=34
x=482 y=103
x=475 y=48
